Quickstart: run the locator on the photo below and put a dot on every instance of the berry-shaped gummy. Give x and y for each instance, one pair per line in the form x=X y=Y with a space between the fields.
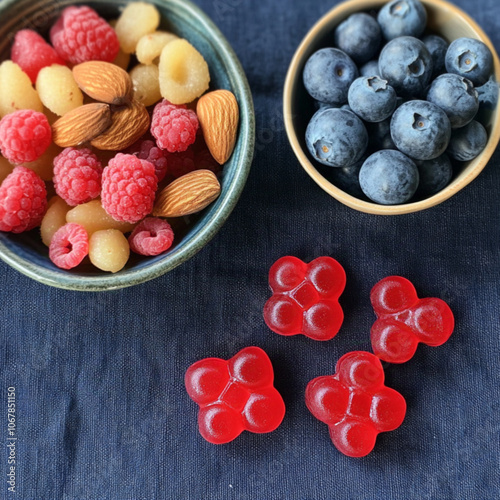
x=23 y=201
x=151 y=237
x=80 y=35
x=77 y=175
x=33 y=53
x=69 y=246
x=128 y=188
x=235 y=395
x=174 y=127
x=24 y=136
x=305 y=297
x=355 y=403
x=404 y=320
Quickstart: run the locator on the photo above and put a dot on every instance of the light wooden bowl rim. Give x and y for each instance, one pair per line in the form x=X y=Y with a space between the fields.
x=294 y=79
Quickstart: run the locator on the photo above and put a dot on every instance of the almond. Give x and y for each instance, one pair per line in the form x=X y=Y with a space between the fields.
x=104 y=82
x=187 y=194
x=219 y=115
x=81 y=124
x=128 y=125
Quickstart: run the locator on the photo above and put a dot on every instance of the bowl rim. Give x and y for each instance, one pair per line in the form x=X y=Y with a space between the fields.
x=291 y=86
x=234 y=189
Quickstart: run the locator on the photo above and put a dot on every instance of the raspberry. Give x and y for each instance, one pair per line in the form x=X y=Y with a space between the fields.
x=180 y=164
x=23 y=200
x=77 y=176
x=33 y=53
x=128 y=188
x=205 y=160
x=174 y=127
x=151 y=237
x=80 y=35
x=24 y=136
x=148 y=150
x=69 y=246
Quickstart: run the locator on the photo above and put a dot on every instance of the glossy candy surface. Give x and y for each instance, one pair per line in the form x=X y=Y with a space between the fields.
x=235 y=395
x=355 y=403
x=404 y=320
x=305 y=297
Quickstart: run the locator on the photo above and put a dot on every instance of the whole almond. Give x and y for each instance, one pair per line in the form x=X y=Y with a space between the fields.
x=187 y=194
x=81 y=124
x=103 y=81
x=219 y=115
x=128 y=125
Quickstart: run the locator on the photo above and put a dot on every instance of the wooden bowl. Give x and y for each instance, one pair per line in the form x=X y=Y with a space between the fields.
x=444 y=19
x=26 y=252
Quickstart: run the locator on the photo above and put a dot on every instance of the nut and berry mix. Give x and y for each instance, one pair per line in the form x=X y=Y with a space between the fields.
x=108 y=130
x=399 y=108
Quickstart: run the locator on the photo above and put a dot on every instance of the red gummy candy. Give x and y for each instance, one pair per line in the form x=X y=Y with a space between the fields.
x=404 y=320
x=305 y=297
x=355 y=403
x=235 y=395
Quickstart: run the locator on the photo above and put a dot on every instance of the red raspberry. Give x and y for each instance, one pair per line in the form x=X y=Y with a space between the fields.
x=24 y=136
x=205 y=160
x=69 y=246
x=23 y=200
x=148 y=150
x=80 y=35
x=174 y=127
x=33 y=53
x=128 y=188
x=77 y=175
x=151 y=237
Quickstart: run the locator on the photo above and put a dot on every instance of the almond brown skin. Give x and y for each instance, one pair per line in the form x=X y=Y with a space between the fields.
x=187 y=194
x=129 y=124
x=104 y=82
x=218 y=113
x=81 y=124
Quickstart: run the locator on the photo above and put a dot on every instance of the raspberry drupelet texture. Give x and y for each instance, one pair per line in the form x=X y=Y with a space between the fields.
x=69 y=246
x=24 y=136
x=77 y=175
x=23 y=201
x=149 y=151
x=33 y=53
x=180 y=164
x=151 y=237
x=174 y=127
x=80 y=35
x=128 y=188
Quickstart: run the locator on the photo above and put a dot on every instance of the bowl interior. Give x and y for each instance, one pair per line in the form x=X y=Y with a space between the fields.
x=26 y=252
x=444 y=19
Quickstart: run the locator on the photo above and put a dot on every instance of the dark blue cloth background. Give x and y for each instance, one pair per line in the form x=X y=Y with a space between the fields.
x=102 y=411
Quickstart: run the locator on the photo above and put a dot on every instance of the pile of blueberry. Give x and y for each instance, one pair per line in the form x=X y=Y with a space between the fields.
x=395 y=111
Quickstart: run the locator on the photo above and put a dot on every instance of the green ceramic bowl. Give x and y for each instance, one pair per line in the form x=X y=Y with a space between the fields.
x=26 y=252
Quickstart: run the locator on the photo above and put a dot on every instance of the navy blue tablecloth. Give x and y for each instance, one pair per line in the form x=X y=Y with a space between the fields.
x=101 y=409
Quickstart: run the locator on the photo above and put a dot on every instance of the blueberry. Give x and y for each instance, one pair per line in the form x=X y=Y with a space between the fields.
x=359 y=36
x=371 y=98
x=421 y=130
x=470 y=58
x=406 y=64
x=347 y=178
x=402 y=18
x=467 y=142
x=336 y=137
x=370 y=69
x=434 y=175
x=456 y=96
x=437 y=46
x=389 y=177
x=323 y=105
x=488 y=94
x=328 y=74
x=380 y=135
